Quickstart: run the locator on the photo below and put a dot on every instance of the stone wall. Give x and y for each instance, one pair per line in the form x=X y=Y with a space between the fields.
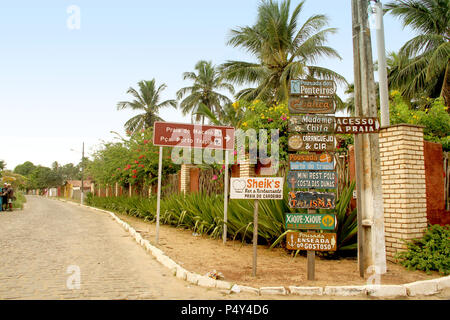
x=404 y=190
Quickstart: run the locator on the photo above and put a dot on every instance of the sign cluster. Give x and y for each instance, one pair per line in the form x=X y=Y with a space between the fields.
x=312 y=126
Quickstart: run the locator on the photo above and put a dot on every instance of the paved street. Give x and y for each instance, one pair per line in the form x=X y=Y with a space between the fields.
x=43 y=246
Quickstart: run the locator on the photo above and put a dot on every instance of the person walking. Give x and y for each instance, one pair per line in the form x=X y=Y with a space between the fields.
x=10 y=195
x=4 y=197
x=1 y=198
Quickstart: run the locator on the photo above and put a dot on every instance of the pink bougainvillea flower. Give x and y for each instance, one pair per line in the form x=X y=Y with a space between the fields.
x=223 y=166
x=135 y=161
x=141 y=156
x=119 y=169
x=145 y=141
x=269 y=120
x=235 y=152
x=134 y=171
x=214 y=177
x=134 y=177
x=128 y=166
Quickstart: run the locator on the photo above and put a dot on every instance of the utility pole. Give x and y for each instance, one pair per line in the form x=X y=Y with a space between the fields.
x=82 y=175
x=371 y=242
x=382 y=66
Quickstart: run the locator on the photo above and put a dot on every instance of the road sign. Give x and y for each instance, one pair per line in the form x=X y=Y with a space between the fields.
x=319 y=221
x=193 y=136
x=325 y=88
x=311 y=123
x=312 y=179
x=312 y=200
x=311 y=142
x=311 y=241
x=256 y=188
x=357 y=125
x=311 y=161
x=299 y=105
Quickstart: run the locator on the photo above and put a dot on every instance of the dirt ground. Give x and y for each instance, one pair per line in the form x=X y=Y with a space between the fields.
x=276 y=267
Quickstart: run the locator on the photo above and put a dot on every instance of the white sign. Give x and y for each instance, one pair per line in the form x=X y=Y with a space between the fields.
x=256 y=188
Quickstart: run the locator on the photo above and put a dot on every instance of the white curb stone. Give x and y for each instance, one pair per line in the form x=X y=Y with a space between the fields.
x=386 y=290
x=223 y=284
x=428 y=287
x=192 y=277
x=206 y=282
x=421 y=288
x=345 y=291
x=272 y=290
x=306 y=291
x=249 y=289
x=443 y=283
x=181 y=273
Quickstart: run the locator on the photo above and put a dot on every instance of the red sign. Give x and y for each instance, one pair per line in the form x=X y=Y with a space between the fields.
x=169 y=134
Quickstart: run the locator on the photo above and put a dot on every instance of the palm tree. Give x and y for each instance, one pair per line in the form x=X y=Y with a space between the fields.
x=282 y=50
x=147 y=99
x=426 y=69
x=206 y=82
x=226 y=116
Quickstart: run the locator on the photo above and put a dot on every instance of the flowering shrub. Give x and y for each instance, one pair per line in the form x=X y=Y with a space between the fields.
x=258 y=115
x=133 y=161
x=434 y=117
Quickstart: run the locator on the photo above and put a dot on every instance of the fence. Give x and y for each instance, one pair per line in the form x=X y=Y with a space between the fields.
x=447 y=180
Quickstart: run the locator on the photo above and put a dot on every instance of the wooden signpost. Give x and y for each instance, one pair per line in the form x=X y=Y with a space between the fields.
x=311 y=123
x=317 y=221
x=311 y=142
x=312 y=179
x=312 y=200
x=311 y=161
x=312 y=133
x=311 y=241
x=256 y=188
x=357 y=125
x=169 y=134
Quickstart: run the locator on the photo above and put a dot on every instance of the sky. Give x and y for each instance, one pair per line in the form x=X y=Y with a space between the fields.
x=59 y=85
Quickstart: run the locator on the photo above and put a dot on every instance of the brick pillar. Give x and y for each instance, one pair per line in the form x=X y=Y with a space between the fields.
x=185 y=178
x=403 y=181
x=246 y=169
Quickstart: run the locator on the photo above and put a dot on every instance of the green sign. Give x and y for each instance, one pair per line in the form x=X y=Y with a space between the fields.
x=316 y=221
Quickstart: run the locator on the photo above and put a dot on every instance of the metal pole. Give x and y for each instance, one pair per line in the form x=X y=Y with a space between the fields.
x=158 y=201
x=225 y=199
x=82 y=175
x=255 y=235
x=382 y=66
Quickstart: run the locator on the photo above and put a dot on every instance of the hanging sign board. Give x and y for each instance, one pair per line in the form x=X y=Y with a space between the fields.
x=312 y=200
x=298 y=105
x=256 y=188
x=311 y=241
x=311 y=142
x=193 y=136
x=312 y=179
x=317 y=221
x=311 y=161
x=320 y=88
x=357 y=125
x=311 y=123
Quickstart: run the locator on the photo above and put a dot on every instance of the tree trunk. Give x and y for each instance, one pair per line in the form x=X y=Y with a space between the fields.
x=445 y=91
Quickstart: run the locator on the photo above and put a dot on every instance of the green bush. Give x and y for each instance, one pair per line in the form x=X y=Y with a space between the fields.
x=204 y=215
x=19 y=201
x=431 y=253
